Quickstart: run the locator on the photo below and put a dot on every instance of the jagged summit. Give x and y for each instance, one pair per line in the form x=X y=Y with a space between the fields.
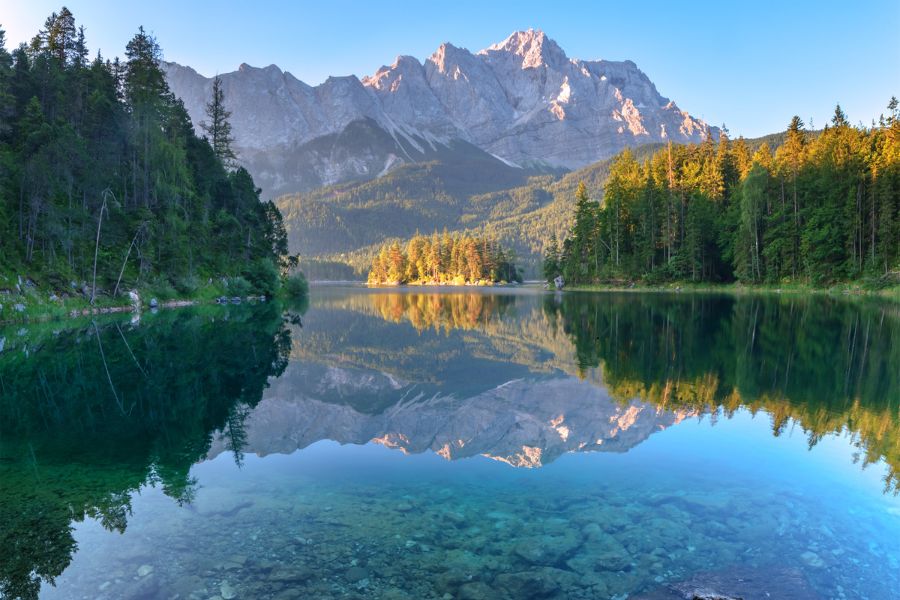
x=533 y=46
x=521 y=100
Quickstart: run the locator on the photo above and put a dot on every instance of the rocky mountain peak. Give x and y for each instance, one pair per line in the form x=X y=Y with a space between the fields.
x=522 y=100
x=402 y=65
x=448 y=56
x=532 y=47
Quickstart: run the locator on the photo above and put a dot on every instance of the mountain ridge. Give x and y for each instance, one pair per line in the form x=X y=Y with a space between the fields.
x=522 y=101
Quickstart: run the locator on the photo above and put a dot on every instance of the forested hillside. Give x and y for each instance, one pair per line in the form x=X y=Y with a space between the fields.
x=102 y=176
x=820 y=208
x=347 y=224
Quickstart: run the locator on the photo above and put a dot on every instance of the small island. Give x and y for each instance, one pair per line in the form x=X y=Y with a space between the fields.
x=444 y=260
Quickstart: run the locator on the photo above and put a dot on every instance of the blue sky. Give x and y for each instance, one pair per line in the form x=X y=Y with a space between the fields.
x=750 y=65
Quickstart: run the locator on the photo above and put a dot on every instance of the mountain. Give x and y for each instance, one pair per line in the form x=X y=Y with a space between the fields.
x=521 y=103
x=524 y=423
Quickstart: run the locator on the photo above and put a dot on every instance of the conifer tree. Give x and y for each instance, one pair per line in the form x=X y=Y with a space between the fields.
x=218 y=127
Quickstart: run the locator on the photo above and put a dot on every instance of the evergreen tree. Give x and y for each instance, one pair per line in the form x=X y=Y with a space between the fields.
x=217 y=127
x=552 y=259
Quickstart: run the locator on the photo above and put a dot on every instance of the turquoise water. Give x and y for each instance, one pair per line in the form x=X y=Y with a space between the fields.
x=485 y=444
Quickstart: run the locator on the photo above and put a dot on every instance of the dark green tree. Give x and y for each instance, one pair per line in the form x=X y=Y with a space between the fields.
x=217 y=126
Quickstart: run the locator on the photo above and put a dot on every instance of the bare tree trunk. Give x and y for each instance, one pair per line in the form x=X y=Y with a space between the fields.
x=124 y=262
x=97 y=246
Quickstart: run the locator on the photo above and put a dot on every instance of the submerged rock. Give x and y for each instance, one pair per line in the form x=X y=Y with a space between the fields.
x=355 y=574
x=547 y=550
x=290 y=574
x=476 y=590
x=227 y=591
x=544 y=582
x=738 y=584
x=812 y=559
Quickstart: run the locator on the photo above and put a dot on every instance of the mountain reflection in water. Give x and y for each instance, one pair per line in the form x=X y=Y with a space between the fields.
x=89 y=417
x=524 y=377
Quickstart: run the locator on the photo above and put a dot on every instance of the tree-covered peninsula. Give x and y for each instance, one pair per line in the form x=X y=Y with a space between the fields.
x=821 y=207
x=106 y=187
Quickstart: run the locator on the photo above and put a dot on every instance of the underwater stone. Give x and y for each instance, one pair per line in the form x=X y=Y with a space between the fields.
x=592 y=531
x=144 y=570
x=290 y=594
x=812 y=559
x=608 y=554
x=227 y=591
x=456 y=518
x=355 y=574
x=476 y=590
x=290 y=574
x=538 y=583
x=547 y=550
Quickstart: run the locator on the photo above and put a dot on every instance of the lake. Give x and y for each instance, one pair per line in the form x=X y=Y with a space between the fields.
x=456 y=444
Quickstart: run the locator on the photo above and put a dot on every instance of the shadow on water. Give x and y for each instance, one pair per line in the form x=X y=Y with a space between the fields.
x=89 y=416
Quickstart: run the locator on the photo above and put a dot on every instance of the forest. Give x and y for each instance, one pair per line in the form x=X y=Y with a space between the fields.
x=819 y=208
x=455 y=259
x=105 y=184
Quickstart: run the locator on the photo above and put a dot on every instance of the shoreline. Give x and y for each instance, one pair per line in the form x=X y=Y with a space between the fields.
x=45 y=316
x=843 y=290
x=44 y=313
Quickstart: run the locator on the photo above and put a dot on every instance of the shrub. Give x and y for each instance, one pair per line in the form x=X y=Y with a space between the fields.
x=160 y=289
x=296 y=286
x=263 y=277
x=238 y=286
x=186 y=286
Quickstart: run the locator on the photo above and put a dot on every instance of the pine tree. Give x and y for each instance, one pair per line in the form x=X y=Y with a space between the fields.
x=580 y=257
x=551 y=265
x=839 y=119
x=218 y=128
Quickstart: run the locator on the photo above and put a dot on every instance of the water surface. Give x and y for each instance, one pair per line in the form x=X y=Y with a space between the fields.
x=456 y=444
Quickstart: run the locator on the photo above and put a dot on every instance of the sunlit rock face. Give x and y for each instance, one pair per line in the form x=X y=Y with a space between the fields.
x=522 y=100
x=525 y=423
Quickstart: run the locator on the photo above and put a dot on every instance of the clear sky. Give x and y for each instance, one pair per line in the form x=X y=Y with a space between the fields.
x=750 y=65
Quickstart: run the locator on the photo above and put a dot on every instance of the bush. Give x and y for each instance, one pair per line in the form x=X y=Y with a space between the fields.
x=263 y=277
x=186 y=286
x=296 y=286
x=160 y=289
x=238 y=286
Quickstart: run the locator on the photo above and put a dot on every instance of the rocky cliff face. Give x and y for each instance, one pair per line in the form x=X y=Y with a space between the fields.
x=525 y=423
x=521 y=100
